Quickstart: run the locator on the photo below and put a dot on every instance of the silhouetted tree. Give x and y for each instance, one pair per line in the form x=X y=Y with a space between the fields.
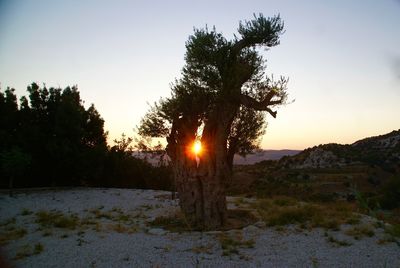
x=123 y=145
x=8 y=119
x=51 y=139
x=219 y=99
x=14 y=164
x=66 y=142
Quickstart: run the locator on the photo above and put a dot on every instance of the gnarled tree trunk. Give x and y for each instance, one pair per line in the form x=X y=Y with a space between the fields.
x=201 y=184
x=201 y=196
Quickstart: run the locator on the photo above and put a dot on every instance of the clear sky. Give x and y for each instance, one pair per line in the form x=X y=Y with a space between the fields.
x=342 y=58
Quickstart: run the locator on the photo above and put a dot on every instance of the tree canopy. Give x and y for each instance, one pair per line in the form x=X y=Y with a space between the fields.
x=220 y=99
x=219 y=70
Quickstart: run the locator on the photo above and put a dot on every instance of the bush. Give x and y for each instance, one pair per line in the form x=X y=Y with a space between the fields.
x=390 y=195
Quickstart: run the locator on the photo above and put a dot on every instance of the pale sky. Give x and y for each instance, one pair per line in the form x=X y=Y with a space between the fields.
x=342 y=58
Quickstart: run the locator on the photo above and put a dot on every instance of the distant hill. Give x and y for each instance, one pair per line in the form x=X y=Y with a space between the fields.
x=382 y=151
x=250 y=159
x=330 y=172
x=263 y=155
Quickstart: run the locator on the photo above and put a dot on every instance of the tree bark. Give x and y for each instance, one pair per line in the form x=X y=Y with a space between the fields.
x=201 y=187
x=201 y=198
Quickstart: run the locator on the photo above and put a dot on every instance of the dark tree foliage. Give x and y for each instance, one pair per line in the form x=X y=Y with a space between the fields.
x=208 y=80
x=51 y=139
x=8 y=119
x=120 y=165
x=14 y=164
x=57 y=132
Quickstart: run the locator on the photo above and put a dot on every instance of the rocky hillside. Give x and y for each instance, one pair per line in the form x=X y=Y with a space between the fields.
x=331 y=172
x=262 y=155
x=382 y=151
x=382 y=142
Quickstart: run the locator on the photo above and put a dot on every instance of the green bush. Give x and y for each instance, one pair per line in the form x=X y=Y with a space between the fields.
x=390 y=195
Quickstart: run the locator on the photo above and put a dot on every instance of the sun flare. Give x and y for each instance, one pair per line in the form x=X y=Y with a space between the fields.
x=196 y=148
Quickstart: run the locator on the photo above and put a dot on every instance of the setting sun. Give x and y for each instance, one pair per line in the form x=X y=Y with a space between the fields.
x=196 y=147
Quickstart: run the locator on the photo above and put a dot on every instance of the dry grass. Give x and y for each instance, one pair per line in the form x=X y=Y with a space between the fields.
x=393 y=230
x=8 y=222
x=119 y=221
x=237 y=219
x=48 y=219
x=99 y=214
x=12 y=233
x=23 y=252
x=207 y=249
x=386 y=239
x=27 y=251
x=280 y=211
x=231 y=244
x=284 y=201
x=174 y=223
x=38 y=248
x=336 y=241
x=115 y=214
x=9 y=231
x=120 y=228
x=47 y=233
x=26 y=212
x=361 y=231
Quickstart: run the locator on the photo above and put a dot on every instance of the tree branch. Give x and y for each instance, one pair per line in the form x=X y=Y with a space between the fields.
x=252 y=103
x=259 y=31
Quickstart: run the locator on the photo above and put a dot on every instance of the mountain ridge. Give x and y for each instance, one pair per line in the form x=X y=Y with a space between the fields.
x=382 y=150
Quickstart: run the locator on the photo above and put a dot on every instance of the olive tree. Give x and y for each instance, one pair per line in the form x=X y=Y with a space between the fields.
x=221 y=99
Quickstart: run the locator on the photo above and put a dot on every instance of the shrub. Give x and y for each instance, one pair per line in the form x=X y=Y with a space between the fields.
x=38 y=249
x=360 y=231
x=56 y=219
x=26 y=212
x=393 y=230
x=231 y=244
x=12 y=233
x=390 y=195
x=326 y=215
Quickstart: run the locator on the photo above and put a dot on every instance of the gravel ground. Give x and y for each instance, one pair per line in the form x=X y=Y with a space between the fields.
x=104 y=243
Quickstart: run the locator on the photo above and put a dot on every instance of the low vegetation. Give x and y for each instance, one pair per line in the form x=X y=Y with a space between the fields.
x=174 y=223
x=11 y=233
x=27 y=251
x=38 y=248
x=122 y=228
x=284 y=210
x=393 y=230
x=114 y=220
x=360 y=231
x=97 y=219
x=26 y=212
x=237 y=219
x=337 y=242
x=232 y=243
x=47 y=219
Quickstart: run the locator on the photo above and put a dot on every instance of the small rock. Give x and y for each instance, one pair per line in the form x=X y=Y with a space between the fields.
x=251 y=229
x=157 y=231
x=260 y=224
